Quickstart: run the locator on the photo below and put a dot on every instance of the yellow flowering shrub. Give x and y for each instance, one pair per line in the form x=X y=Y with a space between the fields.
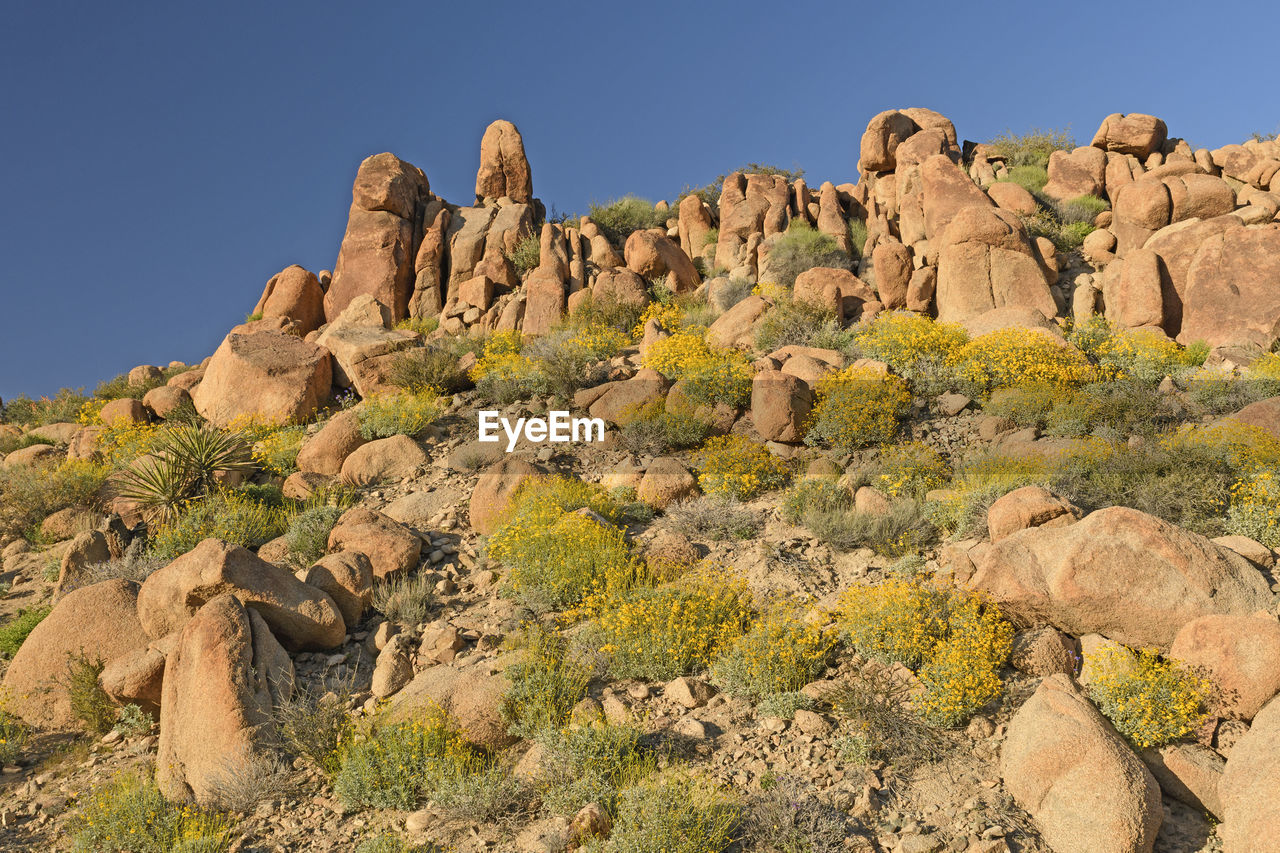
x=857 y=407
x=1254 y=510
x=1151 y=701
x=736 y=466
x=963 y=671
x=910 y=343
x=1267 y=367
x=277 y=451
x=540 y=501
x=545 y=685
x=711 y=374
x=13 y=737
x=399 y=413
x=780 y=653
x=1014 y=356
x=895 y=621
x=123 y=442
x=1145 y=354
x=668 y=315
x=229 y=515
x=911 y=469
x=1245 y=447
x=659 y=633
x=131 y=814
x=674 y=811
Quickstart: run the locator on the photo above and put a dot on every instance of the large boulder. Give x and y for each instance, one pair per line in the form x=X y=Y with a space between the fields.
x=652 y=254
x=1077 y=778
x=1076 y=173
x=545 y=301
x=695 y=224
x=884 y=133
x=347 y=578
x=623 y=401
x=892 y=264
x=493 y=491
x=221 y=682
x=665 y=482
x=1121 y=573
x=99 y=622
x=1027 y=507
x=363 y=348
x=324 y=452
x=1177 y=245
x=987 y=261
x=391 y=547
x=264 y=376
x=471 y=694
x=295 y=294
x=504 y=168
x=838 y=290
x=383 y=460
x=138 y=676
x=378 y=249
x=1133 y=291
x=302 y=616
x=780 y=406
x=1250 y=807
x=946 y=190
x=1138 y=134
x=736 y=327
x=1231 y=298
x=1241 y=654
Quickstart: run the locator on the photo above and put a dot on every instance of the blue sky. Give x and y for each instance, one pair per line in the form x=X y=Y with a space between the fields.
x=160 y=161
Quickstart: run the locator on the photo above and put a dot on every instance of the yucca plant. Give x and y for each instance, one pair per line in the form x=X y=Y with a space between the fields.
x=206 y=453
x=185 y=464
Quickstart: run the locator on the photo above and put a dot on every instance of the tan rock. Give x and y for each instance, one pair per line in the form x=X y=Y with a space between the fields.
x=1076 y=173
x=623 y=400
x=651 y=254
x=138 y=676
x=884 y=133
x=837 y=290
x=1230 y=298
x=165 y=399
x=493 y=491
x=1240 y=654
x=1044 y=652
x=986 y=261
x=1189 y=773
x=347 y=578
x=1136 y=133
x=1013 y=198
x=267 y=376
x=1029 y=506
x=391 y=548
x=295 y=294
x=1250 y=810
x=946 y=191
x=504 y=168
x=324 y=452
x=735 y=327
x=383 y=460
x=892 y=264
x=124 y=411
x=665 y=482
x=780 y=405
x=470 y=694
x=1134 y=291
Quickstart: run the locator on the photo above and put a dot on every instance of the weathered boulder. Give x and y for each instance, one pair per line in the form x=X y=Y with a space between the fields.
x=347 y=578
x=378 y=250
x=780 y=405
x=138 y=676
x=494 y=489
x=1189 y=773
x=302 y=616
x=324 y=452
x=651 y=254
x=622 y=401
x=125 y=410
x=946 y=190
x=362 y=346
x=1136 y=133
x=383 y=460
x=695 y=224
x=620 y=286
x=267 y=376
x=391 y=548
x=1043 y=652
x=1133 y=291
x=1082 y=784
x=837 y=290
x=1241 y=654
x=470 y=694
x=1250 y=809
x=1013 y=198
x=1119 y=572
x=165 y=399
x=545 y=302
x=98 y=621
x=986 y=261
x=1029 y=506
x=295 y=294
x=1231 y=298
x=1177 y=245
x=1076 y=173
x=504 y=168
x=892 y=264
x=665 y=482
x=34 y=456
x=222 y=679
x=884 y=133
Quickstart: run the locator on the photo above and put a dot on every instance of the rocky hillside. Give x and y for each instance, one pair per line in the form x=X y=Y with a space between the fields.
x=933 y=511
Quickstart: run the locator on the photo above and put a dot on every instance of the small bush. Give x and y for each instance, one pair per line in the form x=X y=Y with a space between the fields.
x=572 y=356
x=1149 y=700
x=875 y=706
x=1255 y=508
x=738 y=467
x=675 y=812
x=277 y=453
x=798 y=323
x=132 y=721
x=13 y=737
x=227 y=515
x=911 y=470
x=1032 y=147
x=857 y=407
x=1142 y=354
x=802 y=247
x=185 y=463
x=790 y=818
x=131 y=814
x=388 y=843
x=243 y=781
x=89 y=702
x=620 y=218
x=314 y=725
x=431 y=368
x=405 y=599
x=308 y=533
x=1014 y=356
x=655 y=431
x=710 y=374
x=544 y=687
x=857 y=236
x=63 y=407
x=591 y=764
x=903 y=530
x=134 y=565
x=779 y=654
x=403 y=413
x=421 y=325
x=29 y=495
x=527 y=254
x=913 y=345
x=664 y=632
x=963 y=672
x=1030 y=178
x=607 y=313
x=1080 y=210
x=814 y=496
x=14 y=632
x=1027 y=405
x=715 y=517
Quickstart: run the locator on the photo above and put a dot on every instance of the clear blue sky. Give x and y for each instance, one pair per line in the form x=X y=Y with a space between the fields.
x=160 y=161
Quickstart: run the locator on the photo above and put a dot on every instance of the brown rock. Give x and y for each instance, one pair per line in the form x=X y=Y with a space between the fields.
x=99 y=622
x=295 y=294
x=220 y=684
x=884 y=133
x=735 y=327
x=1133 y=291
x=1230 y=297
x=665 y=482
x=1136 y=133
x=921 y=288
x=266 y=376
x=138 y=677
x=1076 y=173
x=1121 y=573
x=470 y=694
x=1086 y=790
x=324 y=452
x=987 y=261
x=1177 y=245
x=837 y=290
x=493 y=491
x=302 y=616
x=383 y=460
x=124 y=411
x=1029 y=506
x=162 y=401
x=390 y=547
x=1189 y=773
x=546 y=301
x=695 y=223
x=1043 y=652
x=623 y=400
x=504 y=168
x=688 y=692
x=87 y=548
x=393 y=669
x=651 y=254
x=1241 y=654
x=347 y=578
x=620 y=286
x=780 y=405
x=946 y=191
x=1013 y=198
x=892 y=264
x=1250 y=810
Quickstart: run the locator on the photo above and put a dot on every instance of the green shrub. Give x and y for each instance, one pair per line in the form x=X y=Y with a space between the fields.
x=1150 y=701
x=738 y=467
x=388 y=843
x=607 y=313
x=1026 y=405
x=89 y=702
x=780 y=653
x=1016 y=356
x=911 y=470
x=131 y=815
x=675 y=812
x=14 y=632
x=857 y=236
x=572 y=356
x=715 y=517
x=401 y=413
x=13 y=737
x=874 y=706
x=591 y=764
x=903 y=530
x=63 y=407
x=421 y=325
x=228 y=515
x=1033 y=147
x=1030 y=177
x=656 y=431
x=431 y=368
x=313 y=724
x=185 y=462
x=308 y=533
x=814 y=496
x=277 y=452
x=29 y=495
x=618 y=219
x=788 y=817
x=405 y=598
x=857 y=407
x=1082 y=209
x=913 y=345
x=802 y=247
x=798 y=323
x=527 y=254
x=1255 y=508
x=544 y=687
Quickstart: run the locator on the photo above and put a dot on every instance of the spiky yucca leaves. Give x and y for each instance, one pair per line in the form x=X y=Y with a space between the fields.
x=185 y=464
